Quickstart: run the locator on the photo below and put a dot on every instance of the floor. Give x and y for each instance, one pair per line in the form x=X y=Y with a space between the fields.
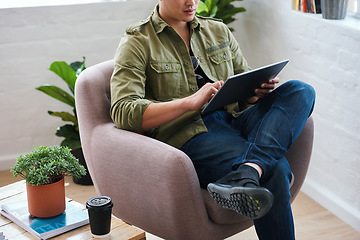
x=311 y=220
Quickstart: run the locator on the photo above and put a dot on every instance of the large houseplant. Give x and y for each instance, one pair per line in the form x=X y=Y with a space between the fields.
x=69 y=74
x=221 y=9
x=44 y=170
x=70 y=131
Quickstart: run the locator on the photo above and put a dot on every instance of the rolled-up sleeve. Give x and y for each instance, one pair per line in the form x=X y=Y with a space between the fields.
x=127 y=84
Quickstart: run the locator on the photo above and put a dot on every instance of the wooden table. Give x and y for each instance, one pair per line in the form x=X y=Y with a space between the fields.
x=17 y=192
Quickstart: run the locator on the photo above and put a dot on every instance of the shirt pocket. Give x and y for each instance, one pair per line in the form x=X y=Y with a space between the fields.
x=221 y=56
x=166 y=67
x=221 y=61
x=164 y=79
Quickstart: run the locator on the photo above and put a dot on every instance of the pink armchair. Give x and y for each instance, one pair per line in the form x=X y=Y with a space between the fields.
x=153 y=185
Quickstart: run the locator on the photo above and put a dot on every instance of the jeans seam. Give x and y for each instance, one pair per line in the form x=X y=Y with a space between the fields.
x=254 y=142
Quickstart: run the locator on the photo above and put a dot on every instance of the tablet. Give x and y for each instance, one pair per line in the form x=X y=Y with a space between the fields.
x=242 y=86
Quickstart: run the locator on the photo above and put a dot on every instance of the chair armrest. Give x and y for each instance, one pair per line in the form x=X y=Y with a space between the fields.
x=151 y=183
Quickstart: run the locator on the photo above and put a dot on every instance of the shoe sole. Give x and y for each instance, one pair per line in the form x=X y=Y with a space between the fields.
x=250 y=202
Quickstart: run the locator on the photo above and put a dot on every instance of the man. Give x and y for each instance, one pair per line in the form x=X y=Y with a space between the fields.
x=167 y=67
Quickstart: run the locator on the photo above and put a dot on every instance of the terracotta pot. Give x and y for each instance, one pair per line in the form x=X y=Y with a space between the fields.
x=46 y=201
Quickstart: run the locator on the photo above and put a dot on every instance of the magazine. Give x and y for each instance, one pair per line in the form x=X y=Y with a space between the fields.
x=44 y=228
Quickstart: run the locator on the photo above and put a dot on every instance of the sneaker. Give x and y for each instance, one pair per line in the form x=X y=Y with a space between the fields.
x=240 y=191
x=248 y=201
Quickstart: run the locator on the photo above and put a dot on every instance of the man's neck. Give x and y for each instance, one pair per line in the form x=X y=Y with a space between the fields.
x=179 y=26
x=184 y=33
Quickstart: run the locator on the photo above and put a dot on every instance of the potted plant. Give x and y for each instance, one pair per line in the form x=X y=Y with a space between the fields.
x=44 y=170
x=221 y=9
x=70 y=131
x=335 y=9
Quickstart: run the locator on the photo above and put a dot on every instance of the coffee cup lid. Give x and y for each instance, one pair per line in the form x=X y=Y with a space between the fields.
x=99 y=202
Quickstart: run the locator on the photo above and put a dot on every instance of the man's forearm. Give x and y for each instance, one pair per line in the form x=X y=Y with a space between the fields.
x=157 y=114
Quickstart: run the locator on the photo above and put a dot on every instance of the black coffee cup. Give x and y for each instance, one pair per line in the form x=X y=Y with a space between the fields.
x=99 y=210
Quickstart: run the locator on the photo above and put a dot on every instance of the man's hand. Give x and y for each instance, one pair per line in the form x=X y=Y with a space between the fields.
x=264 y=90
x=203 y=95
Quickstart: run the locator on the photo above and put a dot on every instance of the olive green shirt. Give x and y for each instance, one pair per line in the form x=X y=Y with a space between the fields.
x=152 y=64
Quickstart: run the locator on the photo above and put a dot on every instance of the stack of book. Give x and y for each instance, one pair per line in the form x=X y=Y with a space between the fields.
x=310 y=6
x=44 y=228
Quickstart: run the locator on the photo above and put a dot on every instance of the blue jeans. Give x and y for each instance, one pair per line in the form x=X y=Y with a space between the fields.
x=262 y=134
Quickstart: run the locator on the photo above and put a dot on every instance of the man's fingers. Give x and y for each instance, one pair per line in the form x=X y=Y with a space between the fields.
x=268 y=85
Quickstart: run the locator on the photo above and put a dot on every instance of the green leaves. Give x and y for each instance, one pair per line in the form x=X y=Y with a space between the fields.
x=47 y=165
x=68 y=73
x=70 y=133
x=63 y=70
x=208 y=8
x=65 y=116
x=78 y=67
x=221 y=9
x=57 y=93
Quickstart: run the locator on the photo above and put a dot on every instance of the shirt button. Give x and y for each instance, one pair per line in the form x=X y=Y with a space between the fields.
x=167 y=67
x=193 y=89
x=225 y=56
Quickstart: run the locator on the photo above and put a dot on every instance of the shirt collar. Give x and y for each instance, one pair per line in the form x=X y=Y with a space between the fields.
x=159 y=24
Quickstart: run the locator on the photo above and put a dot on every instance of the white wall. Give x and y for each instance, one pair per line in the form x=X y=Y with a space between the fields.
x=323 y=53
x=30 y=40
x=326 y=54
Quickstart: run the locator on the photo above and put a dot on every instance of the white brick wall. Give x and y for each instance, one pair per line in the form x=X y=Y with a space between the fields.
x=323 y=53
x=326 y=54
